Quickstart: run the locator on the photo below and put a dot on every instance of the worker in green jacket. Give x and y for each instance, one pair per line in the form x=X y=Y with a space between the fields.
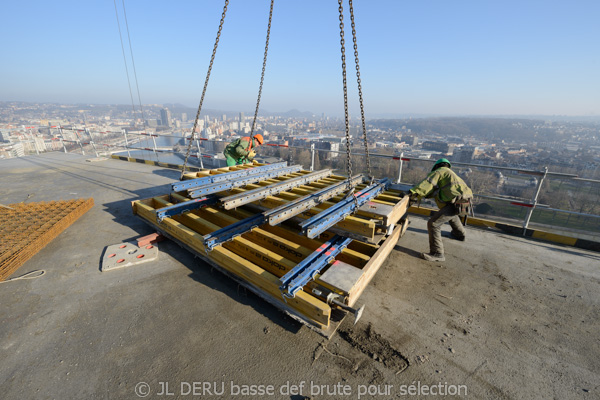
x=453 y=196
x=242 y=150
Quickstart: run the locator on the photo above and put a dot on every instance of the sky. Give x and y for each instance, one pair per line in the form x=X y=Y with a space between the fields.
x=416 y=57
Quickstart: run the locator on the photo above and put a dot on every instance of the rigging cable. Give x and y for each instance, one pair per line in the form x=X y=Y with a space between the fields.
x=212 y=59
x=262 y=75
x=360 y=96
x=133 y=64
x=348 y=159
x=124 y=57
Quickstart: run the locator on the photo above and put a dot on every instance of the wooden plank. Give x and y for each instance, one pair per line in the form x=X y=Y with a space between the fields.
x=400 y=210
x=373 y=266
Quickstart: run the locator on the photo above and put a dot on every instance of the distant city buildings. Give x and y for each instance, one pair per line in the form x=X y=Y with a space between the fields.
x=410 y=140
x=165 y=117
x=442 y=147
x=464 y=154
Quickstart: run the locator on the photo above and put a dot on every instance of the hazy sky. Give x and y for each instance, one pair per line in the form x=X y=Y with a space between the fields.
x=432 y=57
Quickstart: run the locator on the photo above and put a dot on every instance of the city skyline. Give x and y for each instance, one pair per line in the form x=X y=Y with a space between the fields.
x=437 y=59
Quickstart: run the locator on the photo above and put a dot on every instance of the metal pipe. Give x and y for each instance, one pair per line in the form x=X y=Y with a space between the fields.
x=312 y=151
x=126 y=143
x=534 y=201
x=571 y=212
x=400 y=169
x=199 y=154
x=155 y=152
x=60 y=131
x=86 y=130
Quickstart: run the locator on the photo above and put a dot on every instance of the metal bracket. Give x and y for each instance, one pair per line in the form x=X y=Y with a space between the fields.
x=337 y=300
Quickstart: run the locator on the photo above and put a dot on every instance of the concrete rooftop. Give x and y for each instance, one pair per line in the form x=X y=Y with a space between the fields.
x=508 y=317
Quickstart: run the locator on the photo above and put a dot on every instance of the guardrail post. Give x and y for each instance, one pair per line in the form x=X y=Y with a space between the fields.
x=534 y=201
x=79 y=141
x=60 y=131
x=199 y=153
x=126 y=142
x=312 y=152
x=86 y=130
x=400 y=169
x=154 y=144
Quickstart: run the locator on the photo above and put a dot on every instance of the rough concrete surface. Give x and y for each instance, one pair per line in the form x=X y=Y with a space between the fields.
x=509 y=318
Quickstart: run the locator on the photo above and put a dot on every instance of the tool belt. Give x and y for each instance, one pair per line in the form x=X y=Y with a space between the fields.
x=463 y=207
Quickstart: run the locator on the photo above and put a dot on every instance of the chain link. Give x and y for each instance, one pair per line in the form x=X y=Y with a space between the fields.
x=360 y=96
x=212 y=59
x=262 y=75
x=343 y=50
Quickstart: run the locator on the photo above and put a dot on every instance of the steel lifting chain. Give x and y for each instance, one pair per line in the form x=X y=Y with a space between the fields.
x=212 y=59
x=262 y=75
x=360 y=96
x=343 y=50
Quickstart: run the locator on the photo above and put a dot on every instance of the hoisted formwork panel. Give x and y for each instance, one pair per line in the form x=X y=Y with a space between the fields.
x=259 y=258
x=370 y=223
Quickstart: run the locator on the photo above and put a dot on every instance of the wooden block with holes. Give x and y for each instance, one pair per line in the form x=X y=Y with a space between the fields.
x=127 y=254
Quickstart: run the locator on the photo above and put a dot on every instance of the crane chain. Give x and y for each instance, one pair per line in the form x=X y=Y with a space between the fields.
x=360 y=96
x=262 y=75
x=343 y=51
x=212 y=59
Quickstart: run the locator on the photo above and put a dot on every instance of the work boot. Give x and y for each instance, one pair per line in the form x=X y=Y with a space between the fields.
x=433 y=256
x=457 y=236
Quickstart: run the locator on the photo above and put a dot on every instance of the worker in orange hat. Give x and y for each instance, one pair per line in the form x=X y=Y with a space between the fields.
x=242 y=150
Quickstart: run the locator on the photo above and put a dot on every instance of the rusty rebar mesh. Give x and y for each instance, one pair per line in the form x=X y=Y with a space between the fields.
x=27 y=228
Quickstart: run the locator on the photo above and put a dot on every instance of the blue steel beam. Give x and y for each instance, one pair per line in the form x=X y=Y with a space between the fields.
x=295 y=207
x=319 y=223
x=276 y=215
x=192 y=183
x=183 y=207
x=229 y=232
x=307 y=269
x=230 y=184
x=263 y=192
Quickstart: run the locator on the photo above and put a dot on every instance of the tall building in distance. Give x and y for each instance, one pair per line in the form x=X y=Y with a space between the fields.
x=242 y=121
x=464 y=154
x=165 y=117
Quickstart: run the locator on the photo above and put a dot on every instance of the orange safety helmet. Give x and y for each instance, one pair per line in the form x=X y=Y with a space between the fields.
x=259 y=138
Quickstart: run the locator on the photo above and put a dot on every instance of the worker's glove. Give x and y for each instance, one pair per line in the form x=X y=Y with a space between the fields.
x=413 y=198
x=251 y=155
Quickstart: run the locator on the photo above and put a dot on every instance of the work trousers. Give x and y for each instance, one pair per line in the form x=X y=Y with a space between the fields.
x=434 y=227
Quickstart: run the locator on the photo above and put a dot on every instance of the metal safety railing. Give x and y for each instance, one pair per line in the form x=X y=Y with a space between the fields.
x=132 y=140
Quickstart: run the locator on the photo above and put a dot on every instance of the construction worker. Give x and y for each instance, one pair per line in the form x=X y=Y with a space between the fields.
x=242 y=150
x=452 y=196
